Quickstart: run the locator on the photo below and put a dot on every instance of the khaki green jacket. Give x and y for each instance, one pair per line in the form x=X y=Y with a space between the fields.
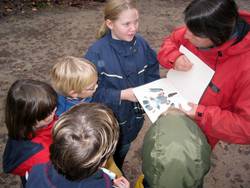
x=175 y=153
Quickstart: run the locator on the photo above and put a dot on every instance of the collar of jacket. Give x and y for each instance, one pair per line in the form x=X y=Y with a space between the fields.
x=18 y=151
x=53 y=176
x=124 y=48
x=66 y=102
x=241 y=30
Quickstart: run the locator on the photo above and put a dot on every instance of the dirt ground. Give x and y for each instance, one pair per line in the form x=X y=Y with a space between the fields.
x=30 y=42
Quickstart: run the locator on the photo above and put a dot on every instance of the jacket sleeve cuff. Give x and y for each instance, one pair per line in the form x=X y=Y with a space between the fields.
x=199 y=113
x=174 y=56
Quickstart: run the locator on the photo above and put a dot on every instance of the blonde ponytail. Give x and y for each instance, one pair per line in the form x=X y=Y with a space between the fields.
x=112 y=10
x=102 y=31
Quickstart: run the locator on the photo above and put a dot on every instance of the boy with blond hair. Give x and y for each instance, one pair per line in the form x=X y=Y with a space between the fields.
x=83 y=139
x=75 y=80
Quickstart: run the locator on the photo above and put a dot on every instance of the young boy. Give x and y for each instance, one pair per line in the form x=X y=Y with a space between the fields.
x=75 y=81
x=83 y=139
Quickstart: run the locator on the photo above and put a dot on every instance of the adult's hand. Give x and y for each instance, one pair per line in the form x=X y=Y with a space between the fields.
x=182 y=63
x=191 y=112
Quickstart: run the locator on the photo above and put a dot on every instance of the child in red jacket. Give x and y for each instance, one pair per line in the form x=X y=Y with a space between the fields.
x=29 y=117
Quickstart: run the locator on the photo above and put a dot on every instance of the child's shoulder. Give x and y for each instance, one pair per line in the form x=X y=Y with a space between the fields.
x=17 y=152
x=140 y=39
x=97 y=45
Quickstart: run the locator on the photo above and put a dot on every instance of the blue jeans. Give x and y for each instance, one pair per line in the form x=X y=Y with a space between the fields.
x=120 y=154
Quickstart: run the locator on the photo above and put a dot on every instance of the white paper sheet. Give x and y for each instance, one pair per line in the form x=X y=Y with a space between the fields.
x=178 y=88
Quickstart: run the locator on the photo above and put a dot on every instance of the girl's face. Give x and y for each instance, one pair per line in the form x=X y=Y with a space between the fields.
x=198 y=41
x=126 y=26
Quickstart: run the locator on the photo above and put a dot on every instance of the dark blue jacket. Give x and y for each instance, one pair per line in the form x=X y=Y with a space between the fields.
x=45 y=176
x=20 y=155
x=122 y=65
x=65 y=103
x=18 y=151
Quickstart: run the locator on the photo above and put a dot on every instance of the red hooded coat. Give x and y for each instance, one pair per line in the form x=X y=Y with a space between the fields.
x=223 y=112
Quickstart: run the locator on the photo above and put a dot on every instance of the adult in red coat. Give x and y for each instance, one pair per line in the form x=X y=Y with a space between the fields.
x=219 y=35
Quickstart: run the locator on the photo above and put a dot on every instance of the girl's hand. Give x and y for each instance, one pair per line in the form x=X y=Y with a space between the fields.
x=190 y=113
x=128 y=94
x=121 y=182
x=182 y=64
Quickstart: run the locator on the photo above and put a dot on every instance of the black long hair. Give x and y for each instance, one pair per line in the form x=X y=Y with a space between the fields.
x=28 y=101
x=213 y=19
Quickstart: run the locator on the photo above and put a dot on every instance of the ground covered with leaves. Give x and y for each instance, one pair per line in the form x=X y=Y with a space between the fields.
x=10 y=7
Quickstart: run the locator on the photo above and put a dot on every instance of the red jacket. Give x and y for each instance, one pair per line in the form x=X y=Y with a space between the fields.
x=21 y=155
x=223 y=112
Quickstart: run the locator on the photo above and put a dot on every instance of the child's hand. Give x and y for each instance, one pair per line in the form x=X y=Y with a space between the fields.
x=128 y=94
x=121 y=182
x=182 y=63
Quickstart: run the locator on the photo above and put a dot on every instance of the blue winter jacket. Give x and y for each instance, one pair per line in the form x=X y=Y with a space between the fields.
x=122 y=65
x=45 y=176
x=65 y=103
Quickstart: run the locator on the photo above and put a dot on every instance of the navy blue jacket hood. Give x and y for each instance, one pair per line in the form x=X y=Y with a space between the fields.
x=45 y=176
x=17 y=151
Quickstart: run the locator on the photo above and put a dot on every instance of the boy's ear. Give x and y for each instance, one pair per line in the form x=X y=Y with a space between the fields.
x=109 y=24
x=73 y=94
